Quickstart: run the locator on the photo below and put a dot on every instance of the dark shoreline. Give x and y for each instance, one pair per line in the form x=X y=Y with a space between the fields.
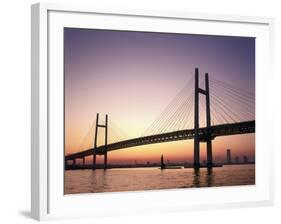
x=185 y=165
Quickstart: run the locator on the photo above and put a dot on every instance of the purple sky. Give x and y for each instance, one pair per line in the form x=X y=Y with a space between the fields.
x=132 y=76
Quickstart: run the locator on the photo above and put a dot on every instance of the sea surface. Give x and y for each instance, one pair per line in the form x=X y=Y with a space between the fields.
x=138 y=179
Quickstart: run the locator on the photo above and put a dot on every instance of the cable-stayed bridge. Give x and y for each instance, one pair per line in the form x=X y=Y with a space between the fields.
x=224 y=110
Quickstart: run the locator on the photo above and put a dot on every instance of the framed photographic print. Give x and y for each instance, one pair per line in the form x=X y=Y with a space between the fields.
x=148 y=111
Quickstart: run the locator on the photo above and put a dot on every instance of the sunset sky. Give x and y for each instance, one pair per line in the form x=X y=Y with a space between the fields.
x=132 y=77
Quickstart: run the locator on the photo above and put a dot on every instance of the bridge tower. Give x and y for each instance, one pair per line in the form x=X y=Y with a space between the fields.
x=96 y=140
x=208 y=137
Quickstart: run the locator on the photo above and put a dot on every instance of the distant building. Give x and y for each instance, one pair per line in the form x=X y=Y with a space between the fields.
x=148 y=163
x=237 y=159
x=245 y=159
x=228 y=156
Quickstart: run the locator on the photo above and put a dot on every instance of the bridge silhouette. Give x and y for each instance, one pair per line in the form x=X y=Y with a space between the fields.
x=233 y=110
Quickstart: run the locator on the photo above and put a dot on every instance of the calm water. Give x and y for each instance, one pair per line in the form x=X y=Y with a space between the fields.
x=135 y=179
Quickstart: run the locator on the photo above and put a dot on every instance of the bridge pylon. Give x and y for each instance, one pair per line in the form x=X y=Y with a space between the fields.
x=208 y=136
x=105 y=126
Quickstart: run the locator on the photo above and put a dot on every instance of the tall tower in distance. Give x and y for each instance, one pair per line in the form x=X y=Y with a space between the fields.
x=162 y=162
x=228 y=156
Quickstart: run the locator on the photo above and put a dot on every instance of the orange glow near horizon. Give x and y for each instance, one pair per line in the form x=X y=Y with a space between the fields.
x=182 y=151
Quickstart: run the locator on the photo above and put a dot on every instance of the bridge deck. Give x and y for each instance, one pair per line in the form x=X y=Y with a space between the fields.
x=216 y=130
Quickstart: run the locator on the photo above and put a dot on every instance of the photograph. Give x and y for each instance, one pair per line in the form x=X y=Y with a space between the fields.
x=157 y=110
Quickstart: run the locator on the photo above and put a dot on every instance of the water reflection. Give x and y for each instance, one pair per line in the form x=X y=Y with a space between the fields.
x=196 y=177
x=203 y=177
x=137 y=179
x=210 y=177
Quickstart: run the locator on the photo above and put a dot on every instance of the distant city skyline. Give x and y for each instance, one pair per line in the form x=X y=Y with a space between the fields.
x=132 y=76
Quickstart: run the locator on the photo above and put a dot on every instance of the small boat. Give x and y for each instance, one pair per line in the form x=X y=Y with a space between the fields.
x=171 y=167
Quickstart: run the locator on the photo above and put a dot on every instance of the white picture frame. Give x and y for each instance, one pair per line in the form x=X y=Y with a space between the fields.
x=48 y=201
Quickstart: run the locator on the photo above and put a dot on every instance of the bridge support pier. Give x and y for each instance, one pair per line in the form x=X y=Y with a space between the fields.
x=196 y=162
x=65 y=164
x=74 y=163
x=208 y=122
x=105 y=141
x=105 y=161
x=96 y=140
x=208 y=135
x=83 y=162
x=94 y=161
x=209 y=153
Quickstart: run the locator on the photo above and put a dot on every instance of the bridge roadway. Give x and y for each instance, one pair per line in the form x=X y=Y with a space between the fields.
x=216 y=131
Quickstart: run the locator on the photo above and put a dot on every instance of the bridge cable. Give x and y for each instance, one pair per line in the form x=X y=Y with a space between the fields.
x=234 y=102
x=169 y=109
